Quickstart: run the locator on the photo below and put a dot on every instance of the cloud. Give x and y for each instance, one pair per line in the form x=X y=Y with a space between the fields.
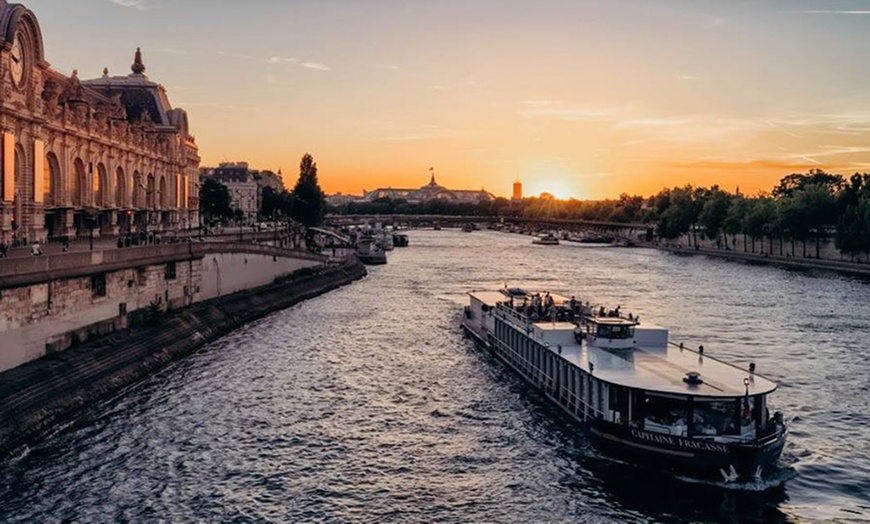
x=730 y=165
x=215 y=105
x=832 y=151
x=315 y=65
x=283 y=60
x=687 y=77
x=542 y=103
x=140 y=5
x=234 y=55
x=430 y=132
x=657 y=122
x=571 y=114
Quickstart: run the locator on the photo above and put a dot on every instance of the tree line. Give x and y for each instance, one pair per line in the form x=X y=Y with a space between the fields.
x=802 y=208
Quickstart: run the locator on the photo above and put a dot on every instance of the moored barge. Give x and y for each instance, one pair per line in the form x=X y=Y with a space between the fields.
x=641 y=397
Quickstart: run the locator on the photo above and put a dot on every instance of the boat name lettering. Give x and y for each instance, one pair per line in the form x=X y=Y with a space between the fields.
x=679 y=442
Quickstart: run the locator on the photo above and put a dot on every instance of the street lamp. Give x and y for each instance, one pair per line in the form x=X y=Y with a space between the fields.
x=147 y=209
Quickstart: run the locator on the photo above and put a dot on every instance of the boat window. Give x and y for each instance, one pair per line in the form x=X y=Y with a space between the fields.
x=714 y=417
x=618 y=332
x=619 y=403
x=666 y=414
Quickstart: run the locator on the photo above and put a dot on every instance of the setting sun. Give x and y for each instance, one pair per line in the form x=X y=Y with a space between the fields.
x=559 y=188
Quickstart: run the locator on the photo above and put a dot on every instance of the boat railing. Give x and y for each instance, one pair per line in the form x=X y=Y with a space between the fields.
x=512 y=315
x=549 y=383
x=700 y=352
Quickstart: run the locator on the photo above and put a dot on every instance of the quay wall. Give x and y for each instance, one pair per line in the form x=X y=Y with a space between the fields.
x=225 y=273
x=40 y=395
x=53 y=303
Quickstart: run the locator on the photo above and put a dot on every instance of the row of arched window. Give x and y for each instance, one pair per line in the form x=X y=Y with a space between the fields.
x=139 y=191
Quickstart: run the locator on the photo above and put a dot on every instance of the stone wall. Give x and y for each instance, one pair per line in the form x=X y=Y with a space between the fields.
x=51 y=303
x=48 y=317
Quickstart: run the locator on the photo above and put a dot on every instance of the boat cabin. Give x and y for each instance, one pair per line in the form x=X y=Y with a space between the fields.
x=608 y=332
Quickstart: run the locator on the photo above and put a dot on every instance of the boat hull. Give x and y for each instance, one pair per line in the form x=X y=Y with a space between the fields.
x=692 y=457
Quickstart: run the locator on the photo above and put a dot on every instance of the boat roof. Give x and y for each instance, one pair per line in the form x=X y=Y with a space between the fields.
x=658 y=369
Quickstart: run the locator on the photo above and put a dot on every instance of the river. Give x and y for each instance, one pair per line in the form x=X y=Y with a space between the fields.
x=367 y=404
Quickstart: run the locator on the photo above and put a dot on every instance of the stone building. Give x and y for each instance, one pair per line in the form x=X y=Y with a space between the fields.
x=244 y=184
x=109 y=154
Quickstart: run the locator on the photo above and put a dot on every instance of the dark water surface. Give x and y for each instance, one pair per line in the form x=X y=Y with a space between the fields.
x=367 y=404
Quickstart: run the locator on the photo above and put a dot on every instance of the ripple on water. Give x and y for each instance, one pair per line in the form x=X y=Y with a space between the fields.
x=367 y=404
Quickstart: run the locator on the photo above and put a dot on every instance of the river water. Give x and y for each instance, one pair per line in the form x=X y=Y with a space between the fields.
x=368 y=404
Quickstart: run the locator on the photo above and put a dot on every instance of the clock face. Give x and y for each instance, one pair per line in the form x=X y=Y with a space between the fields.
x=17 y=61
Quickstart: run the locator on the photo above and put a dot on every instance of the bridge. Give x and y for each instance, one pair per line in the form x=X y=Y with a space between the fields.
x=627 y=231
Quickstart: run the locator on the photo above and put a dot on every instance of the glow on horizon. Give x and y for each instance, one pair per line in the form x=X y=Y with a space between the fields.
x=582 y=99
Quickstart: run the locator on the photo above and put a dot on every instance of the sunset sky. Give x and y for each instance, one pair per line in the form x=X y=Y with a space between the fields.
x=579 y=98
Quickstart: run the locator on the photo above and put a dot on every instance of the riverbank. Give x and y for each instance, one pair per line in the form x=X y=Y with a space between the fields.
x=840 y=266
x=46 y=393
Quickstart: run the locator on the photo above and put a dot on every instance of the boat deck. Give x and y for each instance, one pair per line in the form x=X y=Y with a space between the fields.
x=657 y=368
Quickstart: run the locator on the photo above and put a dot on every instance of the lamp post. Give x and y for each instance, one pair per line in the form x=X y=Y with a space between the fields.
x=147 y=209
x=91 y=222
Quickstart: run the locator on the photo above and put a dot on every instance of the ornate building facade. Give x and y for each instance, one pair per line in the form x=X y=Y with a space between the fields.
x=109 y=154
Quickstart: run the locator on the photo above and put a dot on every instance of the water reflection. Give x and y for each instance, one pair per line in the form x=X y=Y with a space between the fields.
x=368 y=404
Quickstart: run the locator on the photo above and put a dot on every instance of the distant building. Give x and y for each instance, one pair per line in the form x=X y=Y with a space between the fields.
x=431 y=191
x=339 y=199
x=518 y=190
x=245 y=184
x=270 y=179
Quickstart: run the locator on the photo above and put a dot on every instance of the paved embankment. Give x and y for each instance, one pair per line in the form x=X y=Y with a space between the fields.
x=43 y=394
x=792 y=262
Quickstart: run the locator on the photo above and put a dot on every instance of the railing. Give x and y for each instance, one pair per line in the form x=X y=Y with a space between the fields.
x=20 y=271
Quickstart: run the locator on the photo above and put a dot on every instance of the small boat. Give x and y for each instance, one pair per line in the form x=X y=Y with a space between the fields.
x=368 y=252
x=400 y=240
x=437 y=227
x=641 y=397
x=547 y=240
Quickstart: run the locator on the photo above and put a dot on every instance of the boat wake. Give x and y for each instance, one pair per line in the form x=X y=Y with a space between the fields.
x=774 y=481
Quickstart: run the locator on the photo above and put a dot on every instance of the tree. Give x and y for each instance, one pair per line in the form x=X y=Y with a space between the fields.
x=214 y=201
x=714 y=214
x=309 y=206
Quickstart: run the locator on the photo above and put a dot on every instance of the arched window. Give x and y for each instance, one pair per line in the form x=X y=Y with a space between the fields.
x=149 y=192
x=161 y=195
x=120 y=189
x=102 y=191
x=137 y=190
x=51 y=180
x=79 y=184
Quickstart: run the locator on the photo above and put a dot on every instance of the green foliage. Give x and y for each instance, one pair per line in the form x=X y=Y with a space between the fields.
x=273 y=203
x=214 y=201
x=308 y=205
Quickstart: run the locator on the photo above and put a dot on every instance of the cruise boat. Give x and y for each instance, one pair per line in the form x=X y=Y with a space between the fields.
x=547 y=240
x=641 y=397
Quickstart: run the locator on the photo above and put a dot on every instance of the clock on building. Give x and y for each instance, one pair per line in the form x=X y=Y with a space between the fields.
x=18 y=61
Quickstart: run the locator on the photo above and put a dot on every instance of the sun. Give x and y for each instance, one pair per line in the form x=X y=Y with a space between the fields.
x=554 y=186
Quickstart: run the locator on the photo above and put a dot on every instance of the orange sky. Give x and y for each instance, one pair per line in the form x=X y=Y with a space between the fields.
x=578 y=98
